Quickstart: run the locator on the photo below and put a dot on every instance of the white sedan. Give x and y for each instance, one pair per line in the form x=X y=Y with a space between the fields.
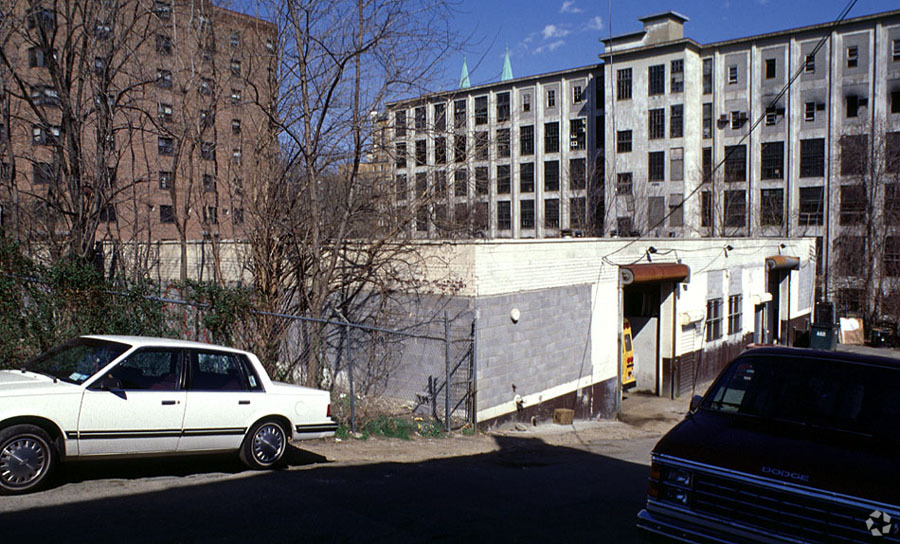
x=101 y=396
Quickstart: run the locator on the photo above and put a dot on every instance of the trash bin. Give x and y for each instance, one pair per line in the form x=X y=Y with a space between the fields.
x=880 y=338
x=822 y=336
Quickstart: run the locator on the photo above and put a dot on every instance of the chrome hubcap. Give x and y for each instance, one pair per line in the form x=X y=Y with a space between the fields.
x=22 y=461
x=268 y=444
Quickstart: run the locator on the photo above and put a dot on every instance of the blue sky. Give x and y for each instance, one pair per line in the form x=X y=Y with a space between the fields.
x=548 y=35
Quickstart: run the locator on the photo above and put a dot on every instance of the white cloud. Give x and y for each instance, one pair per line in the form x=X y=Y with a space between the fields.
x=553 y=31
x=552 y=46
x=595 y=23
x=569 y=7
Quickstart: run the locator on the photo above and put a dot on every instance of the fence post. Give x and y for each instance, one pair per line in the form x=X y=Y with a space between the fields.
x=348 y=355
x=447 y=372
x=474 y=380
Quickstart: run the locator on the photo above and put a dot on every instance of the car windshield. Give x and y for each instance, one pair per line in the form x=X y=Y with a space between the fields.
x=76 y=360
x=857 y=398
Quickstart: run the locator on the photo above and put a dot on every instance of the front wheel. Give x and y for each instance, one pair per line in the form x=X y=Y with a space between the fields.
x=26 y=459
x=264 y=445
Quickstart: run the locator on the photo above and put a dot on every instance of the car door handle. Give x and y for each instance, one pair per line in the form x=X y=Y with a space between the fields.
x=168 y=403
x=243 y=402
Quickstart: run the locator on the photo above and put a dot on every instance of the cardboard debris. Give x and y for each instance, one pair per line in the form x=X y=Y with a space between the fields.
x=852 y=331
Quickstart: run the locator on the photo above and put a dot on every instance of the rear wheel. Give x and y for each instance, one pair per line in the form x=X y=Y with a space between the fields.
x=27 y=458
x=264 y=445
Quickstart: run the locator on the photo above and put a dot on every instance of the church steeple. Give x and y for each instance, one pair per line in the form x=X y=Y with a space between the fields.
x=507 y=67
x=464 y=77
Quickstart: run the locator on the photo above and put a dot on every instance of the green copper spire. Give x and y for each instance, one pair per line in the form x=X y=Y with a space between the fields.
x=507 y=67
x=464 y=78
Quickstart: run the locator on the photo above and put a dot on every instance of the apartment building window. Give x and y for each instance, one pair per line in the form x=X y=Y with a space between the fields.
x=235 y=126
x=165 y=180
x=895 y=101
x=812 y=158
x=892 y=204
x=482 y=151
x=481 y=110
x=676 y=121
x=210 y=215
x=551 y=137
x=772 y=160
x=164 y=111
x=400 y=155
x=108 y=214
x=502 y=107
x=99 y=65
x=892 y=152
x=676 y=83
x=235 y=39
x=235 y=67
x=551 y=175
x=734 y=314
x=237 y=185
x=459 y=113
x=577 y=94
x=440 y=117
x=656 y=166
x=44 y=173
x=163 y=44
x=852 y=105
x=526 y=217
x=707 y=76
x=810 y=66
x=459 y=148
x=400 y=124
x=736 y=163
x=440 y=184
x=706 y=164
x=713 y=319
x=38 y=58
x=771 y=207
x=504 y=215
x=45 y=134
x=440 y=150
x=656 y=212
x=526 y=177
x=676 y=164
x=735 y=210
x=623 y=84
x=461 y=182
x=206 y=86
x=208 y=151
x=577 y=174
x=577 y=134
x=237 y=216
x=852 y=56
x=577 y=212
x=676 y=210
x=809 y=111
x=737 y=119
x=526 y=102
x=209 y=183
x=419 y=118
x=811 y=206
x=853 y=204
x=600 y=132
x=623 y=141
x=656 y=79
x=162 y=9
x=551 y=98
x=733 y=74
x=624 y=184
x=854 y=154
x=400 y=186
x=166 y=214
x=770 y=69
x=482 y=180
x=41 y=17
x=656 y=123
x=164 y=78
x=895 y=50
x=892 y=256
x=422 y=152
x=706 y=209
x=44 y=95
x=707 y=120
x=526 y=140
x=503 y=143
x=551 y=213
x=503 y=179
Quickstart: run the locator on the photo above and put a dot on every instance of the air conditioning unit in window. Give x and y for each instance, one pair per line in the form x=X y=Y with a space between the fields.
x=723 y=118
x=573 y=144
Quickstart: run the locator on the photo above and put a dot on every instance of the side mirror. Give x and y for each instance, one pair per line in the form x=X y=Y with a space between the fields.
x=695 y=403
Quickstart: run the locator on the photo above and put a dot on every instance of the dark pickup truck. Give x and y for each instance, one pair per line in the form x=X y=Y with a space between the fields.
x=788 y=445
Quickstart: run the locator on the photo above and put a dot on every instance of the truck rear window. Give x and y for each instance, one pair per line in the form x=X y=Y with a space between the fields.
x=851 y=397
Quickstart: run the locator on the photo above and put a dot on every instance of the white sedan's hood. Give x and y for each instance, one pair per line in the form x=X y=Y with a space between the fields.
x=16 y=382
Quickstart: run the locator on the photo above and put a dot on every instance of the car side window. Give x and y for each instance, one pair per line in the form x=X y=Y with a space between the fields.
x=149 y=369
x=212 y=371
x=250 y=372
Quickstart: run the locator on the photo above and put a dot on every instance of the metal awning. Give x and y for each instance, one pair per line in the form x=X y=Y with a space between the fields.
x=782 y=262
x=654 y=273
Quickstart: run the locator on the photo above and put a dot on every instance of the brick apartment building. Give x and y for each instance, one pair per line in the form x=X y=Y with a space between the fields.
x=628 y=147
x=167 y=103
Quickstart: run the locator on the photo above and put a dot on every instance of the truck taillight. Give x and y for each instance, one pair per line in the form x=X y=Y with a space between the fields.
x=328 y=412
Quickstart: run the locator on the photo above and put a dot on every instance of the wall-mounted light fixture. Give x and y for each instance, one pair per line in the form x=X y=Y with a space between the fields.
x=728 y=248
